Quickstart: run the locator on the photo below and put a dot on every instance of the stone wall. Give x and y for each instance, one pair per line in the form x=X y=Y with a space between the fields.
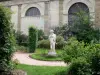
x=97 y=13
x=53 y=12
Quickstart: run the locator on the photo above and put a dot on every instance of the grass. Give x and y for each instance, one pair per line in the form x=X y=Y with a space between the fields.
x=42 y=70
x=41 y=54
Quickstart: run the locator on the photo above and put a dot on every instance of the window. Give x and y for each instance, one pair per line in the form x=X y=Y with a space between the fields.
x=33 y=12
x=75 y=8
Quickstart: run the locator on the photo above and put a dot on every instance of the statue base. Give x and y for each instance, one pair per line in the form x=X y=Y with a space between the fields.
x=52 y=53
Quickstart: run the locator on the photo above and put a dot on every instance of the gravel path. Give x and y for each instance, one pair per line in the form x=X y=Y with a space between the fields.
x=24 y=58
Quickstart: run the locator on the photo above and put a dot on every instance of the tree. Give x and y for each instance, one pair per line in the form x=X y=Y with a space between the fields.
x=83 y=28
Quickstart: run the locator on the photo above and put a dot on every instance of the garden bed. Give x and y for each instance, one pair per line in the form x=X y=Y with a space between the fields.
x=41 y=54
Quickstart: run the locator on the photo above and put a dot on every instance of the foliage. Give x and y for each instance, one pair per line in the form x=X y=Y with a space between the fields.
x=44 y=44
x=62 y=30
x=7 y=40
x=83 y=28
x=33 y=37
x=95 y=59
x=43 y=70
x=21 y=39
x=73 y=50
x=60 y=43
x=21 y=49
x=79 y=67
x=40 y=35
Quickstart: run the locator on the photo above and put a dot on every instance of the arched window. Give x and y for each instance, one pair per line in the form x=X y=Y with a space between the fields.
x=75 y=8
x=33 y=11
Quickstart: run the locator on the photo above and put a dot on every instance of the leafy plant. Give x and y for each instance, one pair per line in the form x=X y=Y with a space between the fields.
x=76 y=53
x=7 y=40
x=44 y=44
x=73 y=49
x=84 y=29
x=60 y=43
x=40 y=35
x=21 y=39
x=79 y=67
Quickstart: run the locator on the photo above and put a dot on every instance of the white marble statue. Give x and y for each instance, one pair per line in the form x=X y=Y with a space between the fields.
x=52 y=39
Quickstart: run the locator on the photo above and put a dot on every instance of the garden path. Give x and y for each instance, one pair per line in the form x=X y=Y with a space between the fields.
x=24 y=58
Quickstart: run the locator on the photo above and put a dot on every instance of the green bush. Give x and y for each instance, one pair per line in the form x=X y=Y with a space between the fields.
x=95 y=65
x=73 y=49
x=95 y=59
x=21 y=39
x=44 y=44
x=60 y=42
x=22 y=49
x=33 y=37
x=40 y=35
x=7 y=40
x=79 y=67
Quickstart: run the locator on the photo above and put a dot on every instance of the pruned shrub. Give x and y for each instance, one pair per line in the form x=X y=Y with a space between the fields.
x=7 y=40
x=33 y=37
x=40 y=35
x=21 y=39
x=44 y=44
x=60 y=42
x=22 y=49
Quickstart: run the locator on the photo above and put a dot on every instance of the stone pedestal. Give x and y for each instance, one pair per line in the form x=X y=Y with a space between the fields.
x=52 y=53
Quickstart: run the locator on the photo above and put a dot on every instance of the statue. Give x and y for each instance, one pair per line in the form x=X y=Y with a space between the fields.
x=52 y=39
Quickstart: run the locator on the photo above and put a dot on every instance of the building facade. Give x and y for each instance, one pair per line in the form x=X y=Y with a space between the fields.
x=47 y=14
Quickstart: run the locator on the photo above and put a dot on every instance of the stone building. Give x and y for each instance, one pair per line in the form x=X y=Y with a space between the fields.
x=45 y=14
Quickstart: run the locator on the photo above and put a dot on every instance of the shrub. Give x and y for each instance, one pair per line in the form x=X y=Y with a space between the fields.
x=21 y=39
x=60 y=42
x=7 y=40
x=22 y=49
x=95 y=65
x=33 y=37
x=95 y=59
x=62 y=30
x=79 y=67
x=40 y=35
x=73 y=49
x=44 y=44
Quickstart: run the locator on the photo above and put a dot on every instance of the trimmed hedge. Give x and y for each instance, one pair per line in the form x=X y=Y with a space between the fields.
x=33 y=37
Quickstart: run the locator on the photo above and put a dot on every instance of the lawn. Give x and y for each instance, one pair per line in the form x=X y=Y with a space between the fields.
x=41 y=54
x=42 y=70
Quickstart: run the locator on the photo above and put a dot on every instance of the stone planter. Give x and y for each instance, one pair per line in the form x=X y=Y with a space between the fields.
x=19 y=72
